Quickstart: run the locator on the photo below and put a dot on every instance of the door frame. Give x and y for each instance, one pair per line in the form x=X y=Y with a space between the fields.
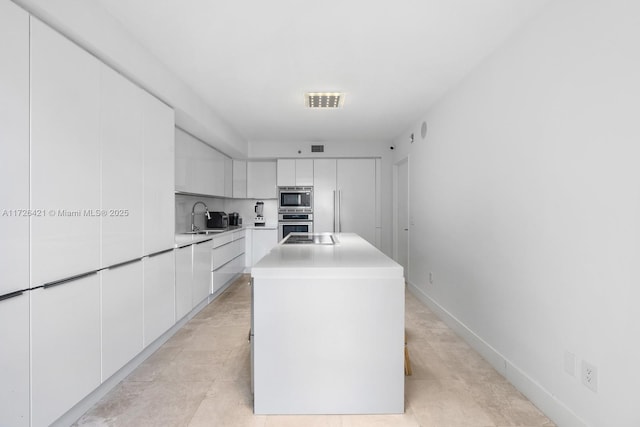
x=395 y=218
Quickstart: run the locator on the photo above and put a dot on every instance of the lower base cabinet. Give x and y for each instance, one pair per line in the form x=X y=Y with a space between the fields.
x=184 y=292
x=159 y=295
x=262 y=242
x=201 y=271
x=122 y=319
x=65 y=352
x=14 y=361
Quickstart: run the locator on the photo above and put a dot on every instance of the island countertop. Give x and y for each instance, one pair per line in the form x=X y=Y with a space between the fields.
x=350 y=255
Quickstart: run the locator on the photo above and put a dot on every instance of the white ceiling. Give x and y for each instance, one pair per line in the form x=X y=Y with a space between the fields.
x=253 y=60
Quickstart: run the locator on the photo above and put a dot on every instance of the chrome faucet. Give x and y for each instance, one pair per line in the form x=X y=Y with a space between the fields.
x=193 y=214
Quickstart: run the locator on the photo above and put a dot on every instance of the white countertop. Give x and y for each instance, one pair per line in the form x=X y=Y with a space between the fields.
x=186 y=239
x=353 y=255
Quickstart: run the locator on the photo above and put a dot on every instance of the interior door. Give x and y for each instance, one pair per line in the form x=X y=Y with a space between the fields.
x=402 y=215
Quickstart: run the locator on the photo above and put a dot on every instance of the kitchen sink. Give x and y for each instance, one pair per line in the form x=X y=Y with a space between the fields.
x=210 y=231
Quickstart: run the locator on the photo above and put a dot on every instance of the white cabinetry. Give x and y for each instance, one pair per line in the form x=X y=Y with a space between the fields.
x=159 y=201
x=184 y=280
x=292 y=172
x=65 y=346
x=159 y=295
x=122 y=172
x=345 y=196
x=14 y=151
x=122 y=305
x=65 y=157
x=262 y=241
x=199 y=168
x=261 y=179
x=201 y=271
x=228 y=177
x=239 y=179
x=14 y=359
x=227 y=258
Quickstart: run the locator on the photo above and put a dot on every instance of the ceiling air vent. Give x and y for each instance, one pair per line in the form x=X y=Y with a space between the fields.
x=317 y=148
x=324 y=99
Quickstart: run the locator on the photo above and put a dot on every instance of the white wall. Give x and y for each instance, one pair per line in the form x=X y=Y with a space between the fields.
x=528 y=190
x=337 y=149
x=95 y=30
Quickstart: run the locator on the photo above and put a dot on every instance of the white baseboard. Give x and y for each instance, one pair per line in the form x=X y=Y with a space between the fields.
x=553 y=408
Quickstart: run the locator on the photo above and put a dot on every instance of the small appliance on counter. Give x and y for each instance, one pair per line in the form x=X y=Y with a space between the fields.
x=259 y=220
x=234 y=219
x=218 y=220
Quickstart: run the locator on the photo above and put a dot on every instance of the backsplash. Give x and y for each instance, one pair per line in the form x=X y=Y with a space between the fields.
x=245 y=207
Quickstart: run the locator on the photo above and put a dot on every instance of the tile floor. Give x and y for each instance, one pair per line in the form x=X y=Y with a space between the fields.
x=201 y=377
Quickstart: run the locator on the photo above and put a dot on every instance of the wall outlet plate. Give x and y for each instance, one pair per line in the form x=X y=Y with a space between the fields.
x=590 y=376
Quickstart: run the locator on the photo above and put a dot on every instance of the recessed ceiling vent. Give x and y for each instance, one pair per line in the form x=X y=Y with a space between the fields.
x=324 y=99
x=317 y=148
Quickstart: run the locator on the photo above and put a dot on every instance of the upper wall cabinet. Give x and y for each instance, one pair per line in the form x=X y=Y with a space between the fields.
x=14 y=150
x=293 y=172
x=239 y=179
x=261 y=179
x=65 y=157
x=199 y=168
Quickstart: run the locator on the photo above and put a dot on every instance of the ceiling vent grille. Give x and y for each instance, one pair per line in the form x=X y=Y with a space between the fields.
x=324 y=99
x=317 y=148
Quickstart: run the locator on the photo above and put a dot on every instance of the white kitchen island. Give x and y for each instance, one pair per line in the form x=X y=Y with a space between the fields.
x=328 y=330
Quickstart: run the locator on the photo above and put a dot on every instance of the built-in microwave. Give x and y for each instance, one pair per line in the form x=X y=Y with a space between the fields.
x=295 y=199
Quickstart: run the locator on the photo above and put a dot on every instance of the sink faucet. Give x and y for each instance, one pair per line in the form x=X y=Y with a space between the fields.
x=193 y=214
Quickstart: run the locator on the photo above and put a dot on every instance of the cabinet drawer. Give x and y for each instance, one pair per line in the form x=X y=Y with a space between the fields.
x=226 y=253
x=227 y=272
x=222 y=240
x=240 y=234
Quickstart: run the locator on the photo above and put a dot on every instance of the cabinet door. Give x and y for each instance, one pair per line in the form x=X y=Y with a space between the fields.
x=159 y=199
x=286 y=173
x=122 y=168
x=201 y=271
x=14 y=359
x=239 y=179
x=304 y=171
x=65 y=346
x=184 y=292
x=262 y=243
x=218 y=172
x=228 y=177
x=14 y=149
x=65 y=157
x=122 y=309
x=159 y=295
x=184 y=166
x=261 y=180
x=356 y=180
x=324 y=193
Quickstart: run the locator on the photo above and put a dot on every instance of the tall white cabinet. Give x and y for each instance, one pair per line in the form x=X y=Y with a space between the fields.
x=14 y=227
x=345 y=196
x=65 y=157
x=158 y=146
x=121 y=141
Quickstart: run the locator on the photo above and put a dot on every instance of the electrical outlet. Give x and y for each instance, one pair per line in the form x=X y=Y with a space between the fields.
x=431 y=277
x=590 y=376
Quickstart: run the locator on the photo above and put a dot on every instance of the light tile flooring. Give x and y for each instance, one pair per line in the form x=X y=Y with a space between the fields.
x=201 y=377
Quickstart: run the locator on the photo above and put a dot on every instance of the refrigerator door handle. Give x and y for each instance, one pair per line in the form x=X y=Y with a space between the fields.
x=339 y=211
x=335 y=212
